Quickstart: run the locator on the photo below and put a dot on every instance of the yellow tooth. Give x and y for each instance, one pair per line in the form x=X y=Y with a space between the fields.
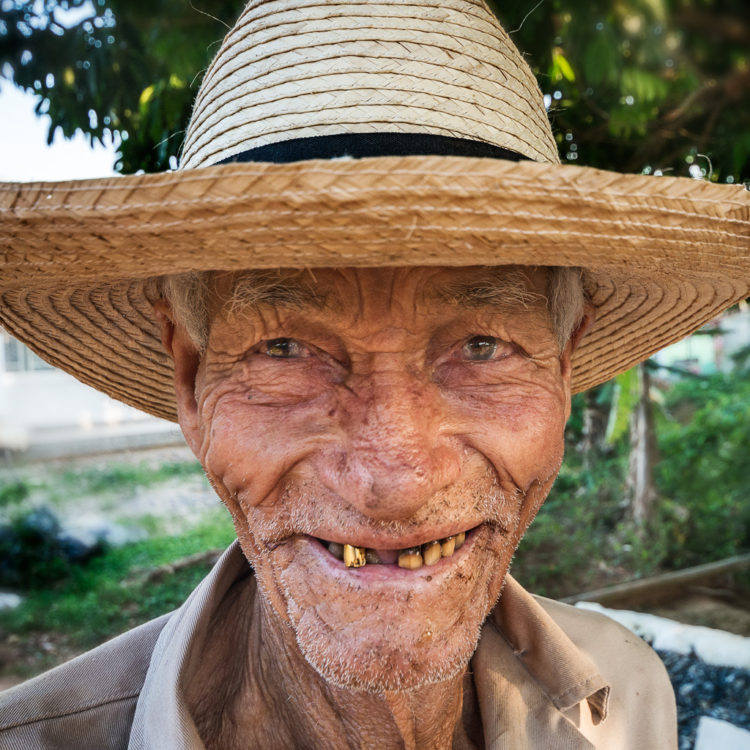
x=354 y=557
x=410 y=558
x=460 y=539
x=431 y=553
x=447 y=546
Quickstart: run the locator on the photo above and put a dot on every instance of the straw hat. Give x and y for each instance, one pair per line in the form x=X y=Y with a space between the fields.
x=459 y=167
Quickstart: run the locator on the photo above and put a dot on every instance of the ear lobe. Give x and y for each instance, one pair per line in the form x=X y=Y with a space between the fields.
x=587 y=322
x=186 y=358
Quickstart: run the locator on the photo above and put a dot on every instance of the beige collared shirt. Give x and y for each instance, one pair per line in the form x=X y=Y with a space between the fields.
x=547 y=676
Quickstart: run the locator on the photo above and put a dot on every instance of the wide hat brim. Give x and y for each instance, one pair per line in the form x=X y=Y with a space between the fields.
x=81 y=260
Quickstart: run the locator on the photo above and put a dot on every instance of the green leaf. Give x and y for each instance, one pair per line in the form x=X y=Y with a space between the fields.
x=643 y=86
x=600 y=61
x=627 y=120
x=146 y=95
x=561 y=67
x=623 y=403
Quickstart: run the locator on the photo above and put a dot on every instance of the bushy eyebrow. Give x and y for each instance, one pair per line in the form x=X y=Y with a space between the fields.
x=493 y=287
x=489 y=287
x=269 y=287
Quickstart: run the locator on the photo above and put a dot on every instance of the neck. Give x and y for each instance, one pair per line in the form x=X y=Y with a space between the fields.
x=274 y=698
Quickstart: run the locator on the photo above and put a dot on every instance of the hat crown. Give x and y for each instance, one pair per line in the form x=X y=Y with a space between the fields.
x=295 y=70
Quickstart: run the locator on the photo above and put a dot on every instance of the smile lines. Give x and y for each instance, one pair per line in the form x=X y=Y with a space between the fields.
x=411 y=558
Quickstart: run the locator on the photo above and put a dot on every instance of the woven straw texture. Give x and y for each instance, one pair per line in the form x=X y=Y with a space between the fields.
x=294 y=70
x=664 y=255
x=81 y=261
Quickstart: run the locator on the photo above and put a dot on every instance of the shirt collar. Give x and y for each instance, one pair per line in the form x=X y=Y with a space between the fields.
x=565 y=673
x=162 y=718
x=535 y=687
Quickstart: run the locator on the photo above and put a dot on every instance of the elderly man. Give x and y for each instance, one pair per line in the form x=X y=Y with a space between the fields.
x=371 y=327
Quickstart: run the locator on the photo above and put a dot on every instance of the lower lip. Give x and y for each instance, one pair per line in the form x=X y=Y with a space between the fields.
x=373 y=573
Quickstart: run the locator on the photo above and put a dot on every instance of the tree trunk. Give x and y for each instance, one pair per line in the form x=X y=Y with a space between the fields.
x=642 y=453
x=594 y=427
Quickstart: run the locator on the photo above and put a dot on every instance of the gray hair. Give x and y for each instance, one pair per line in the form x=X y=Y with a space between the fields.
x=566 y=301
x=192 y=296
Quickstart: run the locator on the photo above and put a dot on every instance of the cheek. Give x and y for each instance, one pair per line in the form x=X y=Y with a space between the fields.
x=250 y=447
x=518 y=425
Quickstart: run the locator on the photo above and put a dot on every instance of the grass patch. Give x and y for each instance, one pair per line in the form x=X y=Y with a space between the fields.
x=13 y=492
x=117 y=477
x=106 y=597
x=60 y=483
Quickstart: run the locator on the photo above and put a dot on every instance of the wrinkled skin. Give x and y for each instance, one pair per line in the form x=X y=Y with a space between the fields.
x=379 y=426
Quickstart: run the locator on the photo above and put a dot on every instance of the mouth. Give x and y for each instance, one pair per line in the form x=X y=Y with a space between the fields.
x=410 y=558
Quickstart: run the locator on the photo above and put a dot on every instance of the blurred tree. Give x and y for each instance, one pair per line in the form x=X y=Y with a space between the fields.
x=632 y=85
x=631 y=411
x=125 y=66
x=643 y=85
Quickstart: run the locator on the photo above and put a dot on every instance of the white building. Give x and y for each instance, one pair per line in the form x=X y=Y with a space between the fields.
x=711 y=350
x=46 y=412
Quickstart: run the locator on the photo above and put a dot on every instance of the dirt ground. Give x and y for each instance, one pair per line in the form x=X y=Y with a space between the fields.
x=706 y=610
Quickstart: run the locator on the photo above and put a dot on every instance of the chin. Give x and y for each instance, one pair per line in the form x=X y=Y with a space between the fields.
x=402 y=644
x=380 y=657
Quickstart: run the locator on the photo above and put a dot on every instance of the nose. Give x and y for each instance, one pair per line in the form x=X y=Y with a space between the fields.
x=396 y=455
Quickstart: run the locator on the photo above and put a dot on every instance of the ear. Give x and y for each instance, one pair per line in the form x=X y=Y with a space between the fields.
x=566 y=358
x=186 y=358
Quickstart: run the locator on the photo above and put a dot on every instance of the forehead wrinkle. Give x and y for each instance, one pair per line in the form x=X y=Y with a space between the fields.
x=362 y=294
x=382 y=293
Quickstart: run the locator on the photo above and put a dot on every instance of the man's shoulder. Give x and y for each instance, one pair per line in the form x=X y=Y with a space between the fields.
x=86 y=703
x=640 y=699
x=605 y=641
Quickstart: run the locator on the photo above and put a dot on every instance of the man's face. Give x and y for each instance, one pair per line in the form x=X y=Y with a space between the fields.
x=395 y=408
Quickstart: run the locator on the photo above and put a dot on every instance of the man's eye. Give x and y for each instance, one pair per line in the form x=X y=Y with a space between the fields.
x=479 y=348
x=284 y=348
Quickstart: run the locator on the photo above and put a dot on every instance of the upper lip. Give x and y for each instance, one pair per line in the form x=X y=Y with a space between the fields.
x=360 y=538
